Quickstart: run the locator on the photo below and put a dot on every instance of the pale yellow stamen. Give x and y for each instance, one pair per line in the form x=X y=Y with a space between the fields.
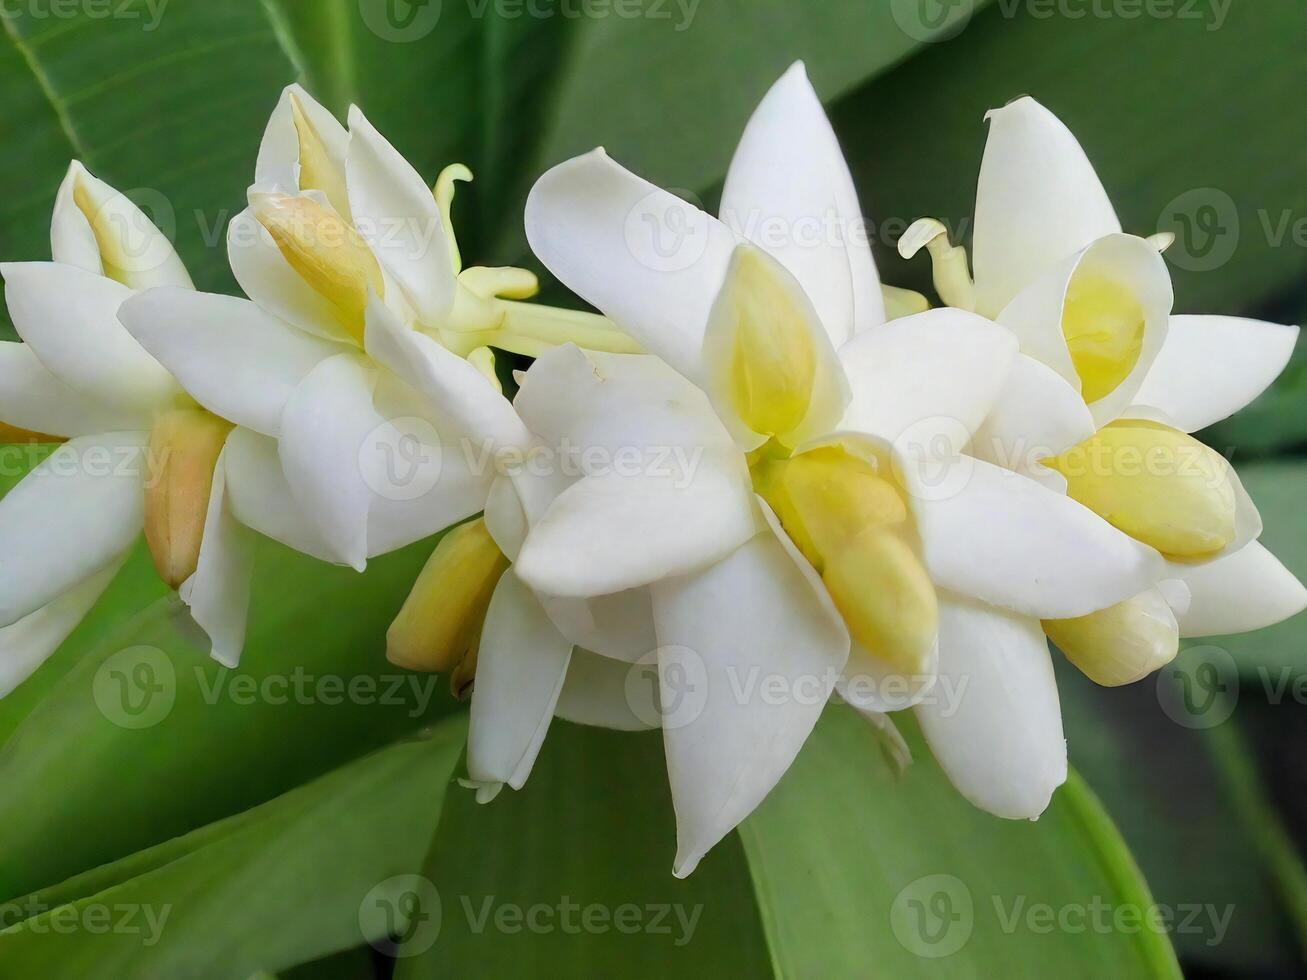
x=771 y=360
x=318 y=172
x=440 y=622
x=1120 y=644
x=853 y=525
x=1156 y=484
x=950 y=270
x=902 y=302
x=325 y=250
x=184 y=448
x=444 y=195
x=1103 y=324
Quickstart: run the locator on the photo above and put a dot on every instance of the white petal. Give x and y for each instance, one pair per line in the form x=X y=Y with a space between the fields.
x=455 y=392
x=34 y=399
x=618 y=626
x=28 y=643
x=1212 y=366
x=326 y=425
x=608 y=533
x=279 y=152
x=749 y=656
x=520 y=672
x=998 y=732
x=1000 y=537
x=218 y=593
x=609 y=693
x=69 y=317
x=784 y=191
x=74 y=515
x=873 y=687
x=1038 y=201
x=1245 y=591
x=260 y=497
x=1035 y=315
x=396 y=214
x=131 y=248
x=649 y=260
x=269 y=280
x=234 y=359
x=925 y=377
x=505 y=517
x=1038 y=414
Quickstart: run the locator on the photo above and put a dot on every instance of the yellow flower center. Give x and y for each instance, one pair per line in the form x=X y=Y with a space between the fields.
x=318 y=172
x=1157 y=484
x=852 y=523
x=1103 y=324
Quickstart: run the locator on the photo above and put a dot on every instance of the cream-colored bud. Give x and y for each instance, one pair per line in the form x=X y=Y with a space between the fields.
x=1120 y=644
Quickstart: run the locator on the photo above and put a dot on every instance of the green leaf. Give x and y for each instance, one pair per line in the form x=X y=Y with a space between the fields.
x=836 y=856
x=290 y=881
x=146 y=738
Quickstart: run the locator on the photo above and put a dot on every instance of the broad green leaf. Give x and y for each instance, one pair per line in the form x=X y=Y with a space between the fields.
x=1184 y=123
x=146 y=738
x=854 y=869
x=293 y=880
x=165 y=100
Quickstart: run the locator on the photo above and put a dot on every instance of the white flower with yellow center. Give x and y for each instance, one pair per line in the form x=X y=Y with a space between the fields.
x=362 y=360
x=1107 y=390
x=796 y=541
x=138 y=453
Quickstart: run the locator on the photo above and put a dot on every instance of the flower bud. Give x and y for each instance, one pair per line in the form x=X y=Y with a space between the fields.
x=1120 y=644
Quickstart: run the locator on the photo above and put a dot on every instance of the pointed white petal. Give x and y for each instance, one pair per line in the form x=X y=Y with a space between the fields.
x=1210 y=367
x=767 y=652
x=1000 y=537
x=327 y=423
x=127 y=245
x=34 y=399
x=1038 y=414
x=230 y=356
x=69 y=317
x=396 y=214
x=1245 y=591
x=455 y=392
x=218 y=593
x=618 y=626
x=785 y=189
x=1035 y=315
x=520 y=671
x=74 y=515
x=1038 y=201
x=260 y=497
x=505 y=517
x=924 y=377
x=279 y=152
x=646 y=258
x=268 y=279
x=994 y=722
x=609 y=693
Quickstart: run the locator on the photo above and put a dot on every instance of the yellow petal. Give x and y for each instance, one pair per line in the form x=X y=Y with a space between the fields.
x=1157 y=484
x=441 y=618
x=325 y=250
x=1103 y=324
x=184 y=448
x=1120 y=644
x=317 y=170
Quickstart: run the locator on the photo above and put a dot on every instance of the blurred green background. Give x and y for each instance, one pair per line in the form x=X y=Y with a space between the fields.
x=1192 y=112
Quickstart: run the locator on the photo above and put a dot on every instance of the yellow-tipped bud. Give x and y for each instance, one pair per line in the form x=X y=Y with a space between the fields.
x=853 y=525
x=325 y=250
x=184 y=448
x=1157 y=484
x=318 y=172
x=1103 y=324
x=772 y=361
x=1120 y=644
x=441 y=618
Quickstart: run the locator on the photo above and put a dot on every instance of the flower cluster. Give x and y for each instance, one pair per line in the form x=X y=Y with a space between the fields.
x=757 y=462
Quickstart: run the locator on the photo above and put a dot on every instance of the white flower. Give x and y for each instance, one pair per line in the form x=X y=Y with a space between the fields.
x=139 y=452
x=803 y=412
